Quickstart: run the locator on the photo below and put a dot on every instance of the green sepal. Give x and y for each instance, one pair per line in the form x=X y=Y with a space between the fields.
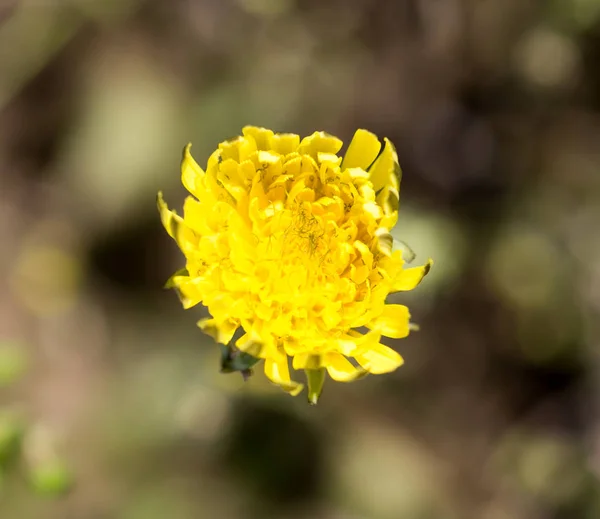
x=233 y=360
x=12 y=430
x=315 y=379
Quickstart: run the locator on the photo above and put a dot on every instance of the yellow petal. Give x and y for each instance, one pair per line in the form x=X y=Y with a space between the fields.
x=238 y=149
x=279 y=373
x=329 y=159
x=176 y=279
x=175 y=226
x=408 y=279
x=331 y=315
x=393 y=322
x=261 y=136
x=365 y=253
x=385 y=171
x=194 y=216
x=355 y=341
x=306 y=361
x=251 y=344
x=191 y=173
x=170 y=219
x=386 y=241
x=319 y=141
x=389 y=200
x=221 y=332
x=379 y=359
x=341 y=369
x=362 y=151
x=285 y=143
x=189 y=291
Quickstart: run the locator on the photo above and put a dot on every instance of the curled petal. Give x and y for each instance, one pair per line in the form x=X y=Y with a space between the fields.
x=379 y=359
x=175 y=280
x=392 y=322
x=279 y=373
x=354 y=341
x=251 y=344
x=385 y=171
x=385 y=174
x=261 y=136
x=362 y=151
x=386 y=240
x=175 y=226
x=341 y=369
x=191 y=173
x=407 y=279
x=238 y=149
x=189 y=291
x=221 y=332
x=319 y=142
x=170 y=219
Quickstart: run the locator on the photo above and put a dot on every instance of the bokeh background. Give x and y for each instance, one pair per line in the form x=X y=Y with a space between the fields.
x=111 y=401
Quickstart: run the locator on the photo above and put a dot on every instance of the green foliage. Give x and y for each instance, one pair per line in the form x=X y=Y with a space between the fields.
x=12 y=430
x=13 y=363
x=51 y=479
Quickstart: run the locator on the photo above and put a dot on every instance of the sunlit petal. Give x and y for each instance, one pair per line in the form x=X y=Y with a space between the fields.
x=392 y=322
x=291 y=242
x=379 y=359
x=279 y=373
x=408 y=279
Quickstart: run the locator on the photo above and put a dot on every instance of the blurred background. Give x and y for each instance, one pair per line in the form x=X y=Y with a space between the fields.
x=111 y=404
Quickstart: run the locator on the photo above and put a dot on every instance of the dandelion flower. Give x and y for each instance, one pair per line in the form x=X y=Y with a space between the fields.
x=289 y=243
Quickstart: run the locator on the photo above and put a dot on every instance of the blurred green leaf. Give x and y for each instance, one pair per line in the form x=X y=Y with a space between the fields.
x=13 y=363
x=11 y=436
x=51 y=478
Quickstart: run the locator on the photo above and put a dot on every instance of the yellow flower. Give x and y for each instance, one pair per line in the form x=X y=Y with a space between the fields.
x=290 y=242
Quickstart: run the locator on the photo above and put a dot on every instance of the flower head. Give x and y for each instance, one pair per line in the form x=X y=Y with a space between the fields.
x=290 y=243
